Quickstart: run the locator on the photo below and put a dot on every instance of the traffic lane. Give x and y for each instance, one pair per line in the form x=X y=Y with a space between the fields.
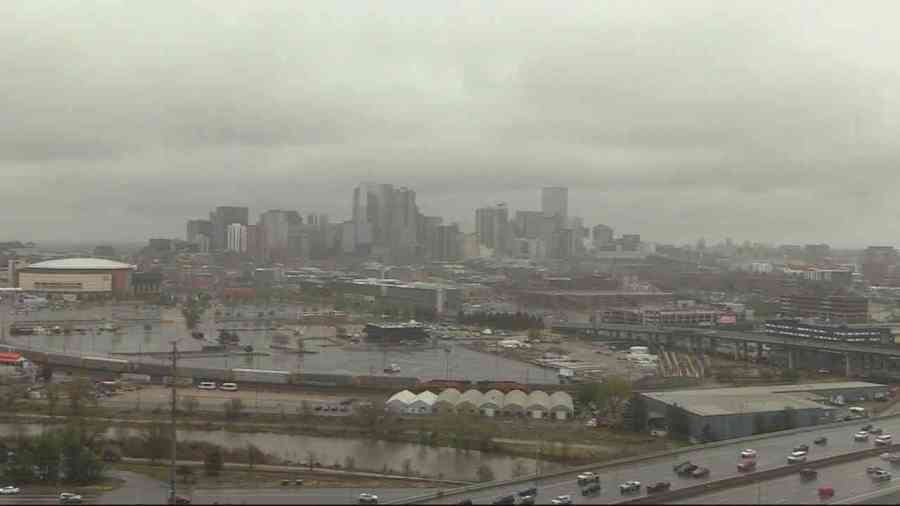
x=849 y=481
x=722 y=462
x=887 y=496
x=295 y=496
x=136 y=489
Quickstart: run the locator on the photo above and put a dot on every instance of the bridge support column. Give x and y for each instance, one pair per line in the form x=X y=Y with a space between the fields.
x=759 y=352
x=790 y=358
x=746 y=351
x=847 y=364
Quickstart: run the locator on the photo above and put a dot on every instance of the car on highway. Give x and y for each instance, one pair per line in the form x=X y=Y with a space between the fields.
x=181 y=500
x=591 y=489
x=893 y=457
x=861 y=436
x=884 y=439
x=873 y=469
x=801 y=448
x=746 y=466
x=881 y=475
x=207 y=385
x=465 y=502
x=685 y=468
x=561 y=500
x=660 y=486
x=875 y=430
x=507 y=499
x=588 y=477
x=629 y=487
x=867 y=427
x=700 y=472
x=528 y=491
x=826 y=492
x=69 y=498
x=796 y=457
x=749 y=453
x=228 y=387
x=527 y=499
x=9 y=490
x=809 y=474
x=367 y=498
x=821 y=440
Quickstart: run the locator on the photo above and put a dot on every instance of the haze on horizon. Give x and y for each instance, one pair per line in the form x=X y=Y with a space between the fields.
x=773 y=121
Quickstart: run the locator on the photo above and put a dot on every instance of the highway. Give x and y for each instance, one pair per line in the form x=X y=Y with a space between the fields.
x=850 y=481
x=721 y=460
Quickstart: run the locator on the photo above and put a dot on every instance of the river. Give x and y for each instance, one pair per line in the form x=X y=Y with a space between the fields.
x=447 y=463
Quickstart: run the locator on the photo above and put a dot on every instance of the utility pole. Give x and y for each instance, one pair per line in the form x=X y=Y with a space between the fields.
x=173 y=411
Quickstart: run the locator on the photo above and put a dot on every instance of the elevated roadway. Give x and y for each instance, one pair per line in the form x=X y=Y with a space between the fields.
x=720 y=458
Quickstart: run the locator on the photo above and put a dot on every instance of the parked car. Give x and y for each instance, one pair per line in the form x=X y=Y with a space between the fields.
x=207 y=385
x=796 y=457
x=746 y=466
x=69 y=498
x=9 y=490
x=809 y=474
x=561 y=500
x=630 y=487
x=367 y=498
x=821 y=440
x=588 y=477
x=591 y=489
x=700 y=472
x=884 y=439
x=685 y=468
x=228 y=387
x=861 y=436
x=660 y=486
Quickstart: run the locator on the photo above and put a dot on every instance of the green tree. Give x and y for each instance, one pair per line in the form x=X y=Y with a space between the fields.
x=156 y=440
x=234 y=408
x=52 y=392
x=484 y=473
x=213 y=461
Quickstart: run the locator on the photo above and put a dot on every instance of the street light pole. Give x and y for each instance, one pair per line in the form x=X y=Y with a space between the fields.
x=172 y=381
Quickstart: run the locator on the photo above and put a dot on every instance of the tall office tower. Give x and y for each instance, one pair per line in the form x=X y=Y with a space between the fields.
x=602 y=235
x=555 y=201
x=253 y=242
x=274 y=231
x=428 y=231
x=197 y=227
x=372 y=205
x=493 y=229
x=528 y=224
x=221 y=218
x=236 y=238
x=879 y=264
x=447 y=243
x=404 y=224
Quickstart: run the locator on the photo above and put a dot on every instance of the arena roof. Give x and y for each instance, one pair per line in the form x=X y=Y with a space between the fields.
x=80 y=264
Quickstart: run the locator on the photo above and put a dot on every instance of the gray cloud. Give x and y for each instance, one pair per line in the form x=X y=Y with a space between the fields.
x=769 y=121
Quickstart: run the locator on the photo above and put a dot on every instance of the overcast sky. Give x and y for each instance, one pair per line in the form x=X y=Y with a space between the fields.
x=770 y=121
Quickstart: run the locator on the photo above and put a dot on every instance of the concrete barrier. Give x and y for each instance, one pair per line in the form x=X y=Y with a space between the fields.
x=769 y=474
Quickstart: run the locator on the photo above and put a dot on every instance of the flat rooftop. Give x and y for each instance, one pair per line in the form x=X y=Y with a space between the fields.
x=729 y=401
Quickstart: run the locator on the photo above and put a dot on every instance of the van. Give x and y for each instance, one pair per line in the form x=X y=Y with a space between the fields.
x=228 y=387
x=207 y=385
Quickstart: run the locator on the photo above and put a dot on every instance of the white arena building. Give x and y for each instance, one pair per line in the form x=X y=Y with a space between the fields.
x=85 y=277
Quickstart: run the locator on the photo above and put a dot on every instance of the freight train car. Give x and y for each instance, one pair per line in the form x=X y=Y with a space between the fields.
x=386 y=382
x=261 y=376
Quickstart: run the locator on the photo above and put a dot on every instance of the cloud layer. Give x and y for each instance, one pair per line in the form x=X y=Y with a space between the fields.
x=773 y=121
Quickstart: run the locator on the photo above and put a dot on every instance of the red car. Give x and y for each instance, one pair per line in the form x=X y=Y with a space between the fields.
x=180 y=499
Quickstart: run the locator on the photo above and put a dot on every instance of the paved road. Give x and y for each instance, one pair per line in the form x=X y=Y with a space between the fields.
x=850 y=481
x=138 y=489
x=722 y=462
x=294 y=496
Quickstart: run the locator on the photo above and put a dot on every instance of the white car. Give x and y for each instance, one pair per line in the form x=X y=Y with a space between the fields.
x=629 y=486
x=881 y=475
x=861 y=436
x=588 y=476
x=69 y=498
x=884 y=439
x=562 y=499
x=796 y=457
x=748 y=454
x=228 y=387
x=367 y=498
x=9 y=490
x=207 y=385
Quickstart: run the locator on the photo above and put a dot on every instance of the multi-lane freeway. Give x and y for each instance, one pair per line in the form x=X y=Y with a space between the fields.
x=721 y=460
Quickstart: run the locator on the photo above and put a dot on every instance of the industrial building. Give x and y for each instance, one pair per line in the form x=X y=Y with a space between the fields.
x=726 y=413
x=826 y=331
x=429 y=296
x=843 y=308
x=84 y=277
x=395 y=331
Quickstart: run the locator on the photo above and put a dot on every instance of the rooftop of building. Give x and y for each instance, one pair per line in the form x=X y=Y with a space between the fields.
x=80 y=264
x=757 y=399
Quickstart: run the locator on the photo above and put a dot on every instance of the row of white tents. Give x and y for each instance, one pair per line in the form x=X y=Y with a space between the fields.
x=537 y=404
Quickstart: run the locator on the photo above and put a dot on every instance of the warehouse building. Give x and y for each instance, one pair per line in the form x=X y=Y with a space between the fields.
x=726 y=413
x=494 y=403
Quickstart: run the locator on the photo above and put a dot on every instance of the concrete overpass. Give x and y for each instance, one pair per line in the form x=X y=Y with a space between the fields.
x=853 y=360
